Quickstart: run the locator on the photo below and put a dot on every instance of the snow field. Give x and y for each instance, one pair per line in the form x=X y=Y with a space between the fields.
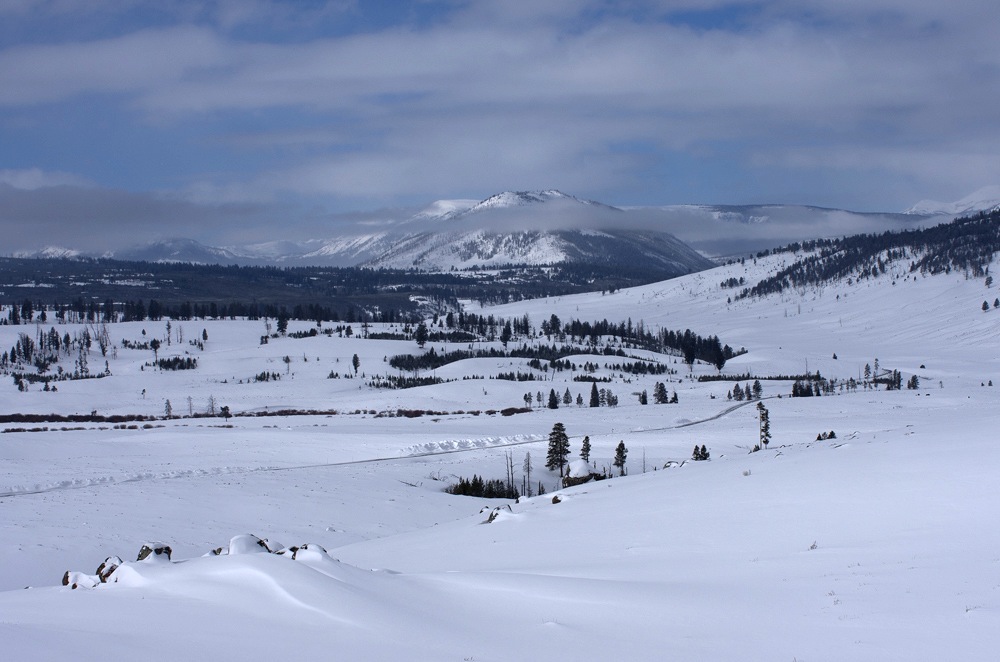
x=876 y=545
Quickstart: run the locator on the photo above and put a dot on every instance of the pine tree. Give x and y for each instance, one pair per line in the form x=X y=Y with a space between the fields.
x=595 y=397
x=558 y=448
x=579 y=400
x=168 y=411
x=585 y=449
x=765 y=425
x=356 y=362
x=553 y=399
x=643 y=398
x=620 y=454
x=758 y=390
x=660 y=396
x=420 y=335
x=567 y=398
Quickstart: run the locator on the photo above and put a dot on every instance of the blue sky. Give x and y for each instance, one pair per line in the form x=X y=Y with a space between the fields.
x=225 y=120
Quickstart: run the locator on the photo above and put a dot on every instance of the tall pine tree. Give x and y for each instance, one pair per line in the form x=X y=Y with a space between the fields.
x=558 y=448
x=620 y=454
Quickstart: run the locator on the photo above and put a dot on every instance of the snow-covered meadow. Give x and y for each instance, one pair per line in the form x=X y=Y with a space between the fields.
x=879 y=544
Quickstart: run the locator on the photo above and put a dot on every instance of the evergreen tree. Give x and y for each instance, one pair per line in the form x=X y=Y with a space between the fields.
x=585 y=449
x=505 y=335
x=168 y=411
x=758 y=390
x=553 y=399
x=643 y=398
x=420 y=335
x=356 y=362
x=567 y=397
x=595 y=397
x=579 y=400
x=558 y=448
x=660 y=396
x=765 y=425
x=620 y=454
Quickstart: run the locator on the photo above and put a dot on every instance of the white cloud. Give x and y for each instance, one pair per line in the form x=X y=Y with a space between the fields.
x=499 y=95
x=30 y=179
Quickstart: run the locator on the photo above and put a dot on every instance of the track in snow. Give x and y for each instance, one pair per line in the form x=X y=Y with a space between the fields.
x=442 y=448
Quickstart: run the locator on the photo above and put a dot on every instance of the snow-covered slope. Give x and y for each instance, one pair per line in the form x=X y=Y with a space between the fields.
x=177 y=250
x=522 y=228
x=874 y=545
x=985 y=198
x=50 y=252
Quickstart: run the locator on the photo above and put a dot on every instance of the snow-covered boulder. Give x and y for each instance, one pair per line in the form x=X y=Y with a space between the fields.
x=79 y=580
x=251 y=544
x=307 y=552
x=579 y=472
x=498 y=513
x=155 y=552
x=107 y=568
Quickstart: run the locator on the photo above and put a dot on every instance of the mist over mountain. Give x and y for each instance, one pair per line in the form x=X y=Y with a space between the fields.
x=541 y=227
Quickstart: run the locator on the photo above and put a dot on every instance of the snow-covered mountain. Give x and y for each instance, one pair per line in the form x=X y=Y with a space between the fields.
x=723 y=230
x=985 y=198
x=511 y=228
x=49 y=252
x=549 y=227
x=176 y=250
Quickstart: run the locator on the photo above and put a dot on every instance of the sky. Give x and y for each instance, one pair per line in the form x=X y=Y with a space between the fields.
x=233 y=121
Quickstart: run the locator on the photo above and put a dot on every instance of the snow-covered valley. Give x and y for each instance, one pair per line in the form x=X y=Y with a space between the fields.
x=879 y=543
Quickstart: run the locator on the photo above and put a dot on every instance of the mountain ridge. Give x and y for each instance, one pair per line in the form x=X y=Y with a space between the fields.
x=545 y=226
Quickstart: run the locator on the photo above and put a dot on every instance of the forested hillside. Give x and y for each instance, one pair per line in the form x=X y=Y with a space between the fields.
x=966 y=244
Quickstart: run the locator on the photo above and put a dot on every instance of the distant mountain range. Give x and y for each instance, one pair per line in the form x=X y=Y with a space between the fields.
x=548 y=227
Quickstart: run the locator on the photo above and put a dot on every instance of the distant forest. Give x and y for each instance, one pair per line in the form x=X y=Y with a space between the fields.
x=93 y=288
x=966 y=244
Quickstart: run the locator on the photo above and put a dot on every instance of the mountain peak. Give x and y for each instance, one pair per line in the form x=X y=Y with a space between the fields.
x=508 y=199
x=985 y=198
x=50 y=252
